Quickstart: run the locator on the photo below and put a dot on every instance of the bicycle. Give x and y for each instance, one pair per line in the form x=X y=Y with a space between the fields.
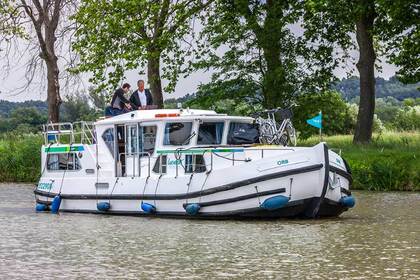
x=273 y=133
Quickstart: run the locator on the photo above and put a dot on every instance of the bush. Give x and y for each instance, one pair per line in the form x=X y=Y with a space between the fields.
x=20 y=158
x=337 y=117
x=408 y=119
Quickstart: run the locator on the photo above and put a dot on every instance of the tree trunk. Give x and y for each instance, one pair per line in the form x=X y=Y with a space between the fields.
x=276 y=89
x=153 y=75
x=366 y=68
x=53 y=91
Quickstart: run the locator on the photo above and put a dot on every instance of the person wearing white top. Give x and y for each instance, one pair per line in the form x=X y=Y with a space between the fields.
x=141 y=97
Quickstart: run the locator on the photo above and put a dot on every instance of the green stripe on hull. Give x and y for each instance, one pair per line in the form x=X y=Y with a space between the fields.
x=63 y=149
x=199 y=151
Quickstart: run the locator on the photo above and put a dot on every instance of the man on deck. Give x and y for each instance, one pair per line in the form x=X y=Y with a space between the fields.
x=119 y=104
x=141 y=97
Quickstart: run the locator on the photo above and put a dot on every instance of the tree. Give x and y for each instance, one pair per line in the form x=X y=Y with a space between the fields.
x=375 y=27
x=45 y=27
x=76 y=107
x=400 y=28
x=126 y=35
x=8 y=24
x=260 y=41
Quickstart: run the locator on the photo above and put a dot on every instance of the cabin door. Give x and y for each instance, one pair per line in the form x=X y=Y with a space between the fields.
x=120 y=154
x=132 y=150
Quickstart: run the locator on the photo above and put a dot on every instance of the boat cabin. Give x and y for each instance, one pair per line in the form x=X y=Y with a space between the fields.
x=155 y=142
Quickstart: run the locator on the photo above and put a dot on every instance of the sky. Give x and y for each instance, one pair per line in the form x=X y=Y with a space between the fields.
x=10 y=82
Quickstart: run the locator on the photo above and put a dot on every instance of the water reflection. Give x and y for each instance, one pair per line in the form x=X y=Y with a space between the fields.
x=378 y=239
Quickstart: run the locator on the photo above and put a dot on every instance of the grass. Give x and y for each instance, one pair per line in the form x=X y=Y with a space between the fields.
x=20 y=158
x=391 y=162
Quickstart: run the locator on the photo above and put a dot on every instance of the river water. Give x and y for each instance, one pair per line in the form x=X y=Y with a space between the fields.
x=380 y=239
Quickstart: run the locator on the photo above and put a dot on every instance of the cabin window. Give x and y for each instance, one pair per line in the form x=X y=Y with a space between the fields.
x=210 y=133
x=108 y=137
x=242 y=133
x=147 y=139
x=160 y=165
x=66 y=161
x=177 y=133
x=194 y=163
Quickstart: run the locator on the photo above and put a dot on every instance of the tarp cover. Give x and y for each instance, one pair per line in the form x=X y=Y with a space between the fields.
x=243 y=133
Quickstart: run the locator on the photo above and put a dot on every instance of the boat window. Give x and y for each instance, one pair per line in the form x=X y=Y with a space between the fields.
x=210 y=133
x=242 y=133
x=177 y=133
x=160 y=164
x=147 y=135
x=108 y=137
x=66 y=161
x=194 y=163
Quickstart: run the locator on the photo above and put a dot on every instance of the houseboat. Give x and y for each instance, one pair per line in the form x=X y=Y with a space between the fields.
x=186 y=163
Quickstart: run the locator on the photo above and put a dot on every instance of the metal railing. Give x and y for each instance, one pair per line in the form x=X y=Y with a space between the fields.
x=69 y=133
x=192 y=166
x=134 y=157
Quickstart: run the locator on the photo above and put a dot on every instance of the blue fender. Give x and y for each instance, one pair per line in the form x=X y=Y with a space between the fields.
x=348 y=201
x=148 y=208
x=275 y=202
x=192 y=209
x=103 y=206
x=55 y=205
x=41 y=207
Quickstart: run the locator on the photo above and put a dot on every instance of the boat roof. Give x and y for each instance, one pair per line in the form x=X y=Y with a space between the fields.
x=164 y=114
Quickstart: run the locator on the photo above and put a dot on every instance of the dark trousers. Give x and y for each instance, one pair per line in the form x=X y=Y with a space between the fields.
x=112 y=112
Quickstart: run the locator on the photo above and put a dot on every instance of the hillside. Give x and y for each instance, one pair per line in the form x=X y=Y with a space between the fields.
x=6 y=106
x=349 y=88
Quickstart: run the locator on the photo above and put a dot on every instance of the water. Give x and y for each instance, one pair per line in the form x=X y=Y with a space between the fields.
x=380 y=239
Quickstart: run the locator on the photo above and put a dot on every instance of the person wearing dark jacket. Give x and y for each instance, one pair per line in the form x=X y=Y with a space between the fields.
x=141 y=97
x=119 y=104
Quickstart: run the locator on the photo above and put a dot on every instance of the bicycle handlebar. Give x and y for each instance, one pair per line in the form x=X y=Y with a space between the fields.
x=284 y=113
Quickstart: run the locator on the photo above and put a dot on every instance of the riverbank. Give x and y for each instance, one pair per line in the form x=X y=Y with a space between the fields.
x=390 y=163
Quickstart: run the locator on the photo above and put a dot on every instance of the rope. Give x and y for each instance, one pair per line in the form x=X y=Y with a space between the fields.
x=231 y=159
x=109 y=199
x=157 y=185
x=65 y=170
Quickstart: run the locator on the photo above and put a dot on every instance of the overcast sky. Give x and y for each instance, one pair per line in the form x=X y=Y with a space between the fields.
x=15 y=79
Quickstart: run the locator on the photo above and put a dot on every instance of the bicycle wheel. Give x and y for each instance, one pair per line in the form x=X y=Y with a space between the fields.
x=291 y=134
x=266 y=133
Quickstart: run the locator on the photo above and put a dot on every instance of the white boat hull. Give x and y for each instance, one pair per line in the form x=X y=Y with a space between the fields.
x=299 y=182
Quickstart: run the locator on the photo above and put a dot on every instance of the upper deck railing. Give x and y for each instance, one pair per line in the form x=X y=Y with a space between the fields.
x=69 y=133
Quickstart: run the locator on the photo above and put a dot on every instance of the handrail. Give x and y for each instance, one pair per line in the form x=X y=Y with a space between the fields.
x=53 y=132
x=177 y=151
x=137 y=155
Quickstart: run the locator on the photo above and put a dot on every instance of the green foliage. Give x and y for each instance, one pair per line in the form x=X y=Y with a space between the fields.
x=126 y=35
x=9 y=26
x=234 y=97
x=389 y=163
x=77 y=108
x=408 y=119
x=23 y=120
x=261 y=46
x=400 y=28
x=336 y=115
x=20 y=158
